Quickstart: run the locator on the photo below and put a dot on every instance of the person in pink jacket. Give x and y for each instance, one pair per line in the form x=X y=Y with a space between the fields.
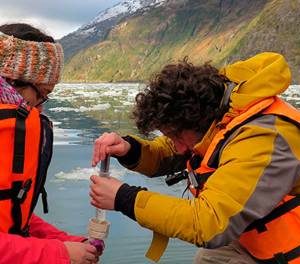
x=30 y=66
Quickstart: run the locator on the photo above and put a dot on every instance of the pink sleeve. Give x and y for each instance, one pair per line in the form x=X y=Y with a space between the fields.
x=17 y=249
x=41 y=229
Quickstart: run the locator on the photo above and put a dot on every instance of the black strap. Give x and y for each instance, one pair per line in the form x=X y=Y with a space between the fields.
x=7 y=113
x=195 y=161
x=25 y=231
x=17 y=194
x=5 y=194
x=203 y=177
x=19 y=144
x=16 y=212
x=282 y=258
x=44 y=200
x=224 y=104
x=260 y=224
x=294 y=253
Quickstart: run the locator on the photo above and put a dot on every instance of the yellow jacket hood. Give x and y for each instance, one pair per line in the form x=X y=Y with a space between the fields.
x=264 y=75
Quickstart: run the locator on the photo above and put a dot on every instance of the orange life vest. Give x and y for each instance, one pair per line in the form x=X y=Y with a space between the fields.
x=24 y=159
x=275 y=238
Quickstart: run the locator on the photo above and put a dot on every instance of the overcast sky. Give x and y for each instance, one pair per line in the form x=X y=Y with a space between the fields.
x=54 y=17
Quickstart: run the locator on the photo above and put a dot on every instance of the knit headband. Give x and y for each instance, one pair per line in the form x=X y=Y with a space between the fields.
x=30 y=61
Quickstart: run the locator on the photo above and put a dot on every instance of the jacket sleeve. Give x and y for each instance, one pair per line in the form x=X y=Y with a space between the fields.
x=31 y=250
x=257 y=168
x=157 y=157
x=41 y=229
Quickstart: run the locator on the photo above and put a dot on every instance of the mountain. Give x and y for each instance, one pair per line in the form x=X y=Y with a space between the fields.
x=218 y=30
x=98 y=28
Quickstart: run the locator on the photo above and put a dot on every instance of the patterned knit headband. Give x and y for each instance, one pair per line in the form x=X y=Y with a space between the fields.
x=30 y=61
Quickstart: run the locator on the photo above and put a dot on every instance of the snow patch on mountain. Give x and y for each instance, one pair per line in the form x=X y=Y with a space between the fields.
x=97 y=28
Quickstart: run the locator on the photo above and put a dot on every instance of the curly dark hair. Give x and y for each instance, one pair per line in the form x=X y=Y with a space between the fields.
x=182 y=96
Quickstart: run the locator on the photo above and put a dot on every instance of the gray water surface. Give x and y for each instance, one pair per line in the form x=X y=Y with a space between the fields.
x=81 y=112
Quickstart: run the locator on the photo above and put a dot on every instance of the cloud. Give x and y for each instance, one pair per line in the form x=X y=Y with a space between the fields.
x=55 y=17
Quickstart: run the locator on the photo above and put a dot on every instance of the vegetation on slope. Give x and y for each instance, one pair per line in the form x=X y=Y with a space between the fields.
x=220 y=31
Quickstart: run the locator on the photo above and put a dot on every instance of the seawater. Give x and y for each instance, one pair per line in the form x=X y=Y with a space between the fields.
x=81 y=112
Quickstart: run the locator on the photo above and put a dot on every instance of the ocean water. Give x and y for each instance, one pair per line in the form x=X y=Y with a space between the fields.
x=80 y=113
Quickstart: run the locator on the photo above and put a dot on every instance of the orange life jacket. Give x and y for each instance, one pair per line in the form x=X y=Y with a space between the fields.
x=26 y=149
x=275 y=238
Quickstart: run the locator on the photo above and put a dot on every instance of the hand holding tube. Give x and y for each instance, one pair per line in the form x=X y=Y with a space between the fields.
x=109 y=144
x=98 y=227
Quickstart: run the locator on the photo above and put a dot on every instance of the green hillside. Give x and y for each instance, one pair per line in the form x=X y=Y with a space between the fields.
x=220 y=31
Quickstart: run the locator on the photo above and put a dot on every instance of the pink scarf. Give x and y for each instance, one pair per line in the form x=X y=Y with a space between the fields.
x=8 y=94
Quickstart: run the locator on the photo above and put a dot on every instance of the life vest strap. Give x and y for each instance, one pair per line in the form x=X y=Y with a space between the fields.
x=25 y=231
x=201 y=180
x=7 y=113
x=260 y=224
x=17 y=194
x=282 y=258
x=5 y=194
x=44 y=200
x=10 y=193
x=16 y=208
x=19 y=144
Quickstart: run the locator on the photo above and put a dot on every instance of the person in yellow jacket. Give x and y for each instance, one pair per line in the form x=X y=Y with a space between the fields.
x=239 y=144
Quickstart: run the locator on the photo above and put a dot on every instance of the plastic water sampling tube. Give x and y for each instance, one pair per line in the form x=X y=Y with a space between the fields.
x=98 y=226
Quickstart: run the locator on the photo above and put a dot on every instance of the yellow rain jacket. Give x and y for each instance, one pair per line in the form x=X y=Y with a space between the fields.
x=257 y=166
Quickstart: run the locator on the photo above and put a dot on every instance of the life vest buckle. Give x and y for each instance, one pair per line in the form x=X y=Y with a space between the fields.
x=22 y=111
x=176 y=177
x=193 y=179
x=25 y=231
x=23 y=191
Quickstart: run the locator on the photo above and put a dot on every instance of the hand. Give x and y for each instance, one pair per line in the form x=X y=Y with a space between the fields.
x=99 y=252
x=109 y=144
x=103 y=192
x=81 y=253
